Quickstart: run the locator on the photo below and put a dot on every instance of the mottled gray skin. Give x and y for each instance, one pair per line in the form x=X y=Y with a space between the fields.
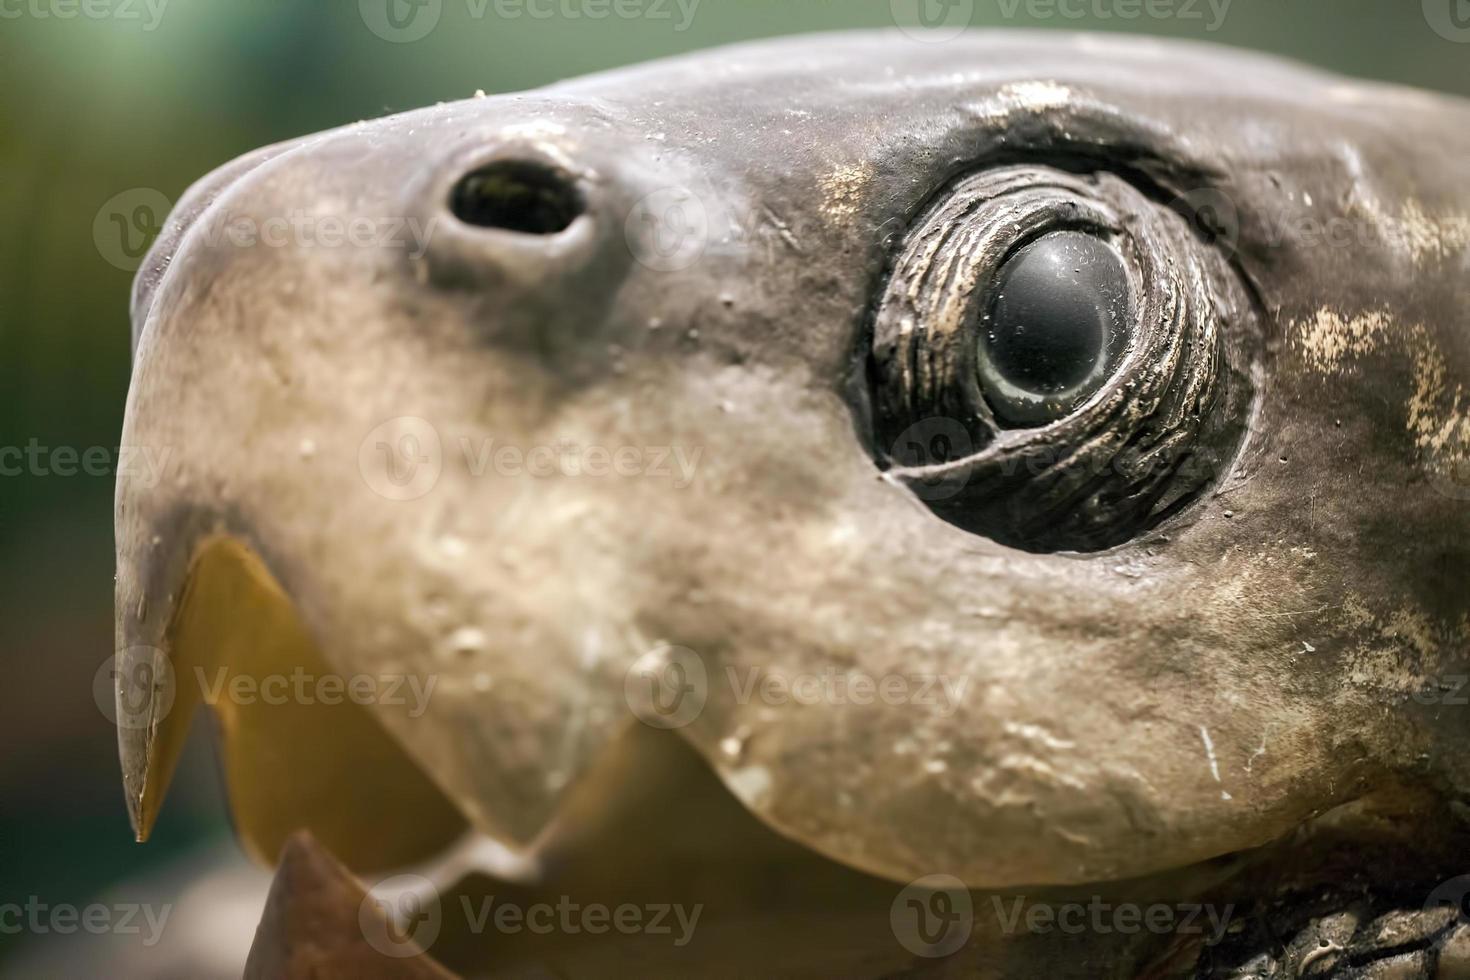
x=1257 y=659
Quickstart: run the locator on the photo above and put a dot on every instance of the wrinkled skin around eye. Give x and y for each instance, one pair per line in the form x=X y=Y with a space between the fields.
x=1049 y=360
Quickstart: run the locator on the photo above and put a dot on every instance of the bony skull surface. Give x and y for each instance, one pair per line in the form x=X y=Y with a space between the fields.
x=973 y=399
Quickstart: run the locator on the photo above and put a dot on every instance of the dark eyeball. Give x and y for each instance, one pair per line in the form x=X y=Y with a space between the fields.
x=1056 y=324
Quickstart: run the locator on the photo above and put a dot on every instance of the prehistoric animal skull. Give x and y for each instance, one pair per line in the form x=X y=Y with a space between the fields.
x=1038 y=461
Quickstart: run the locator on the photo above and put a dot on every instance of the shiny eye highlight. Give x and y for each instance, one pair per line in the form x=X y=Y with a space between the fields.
x=1055 y=327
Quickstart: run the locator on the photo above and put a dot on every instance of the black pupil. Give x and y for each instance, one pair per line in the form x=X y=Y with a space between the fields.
x=1057 y=301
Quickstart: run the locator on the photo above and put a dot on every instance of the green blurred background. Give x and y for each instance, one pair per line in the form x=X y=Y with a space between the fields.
x=109 y=96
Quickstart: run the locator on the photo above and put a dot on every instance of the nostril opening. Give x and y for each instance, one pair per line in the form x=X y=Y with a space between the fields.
x=516 y=195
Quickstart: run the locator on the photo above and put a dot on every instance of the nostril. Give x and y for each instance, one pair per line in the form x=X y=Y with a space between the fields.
x=516 y=195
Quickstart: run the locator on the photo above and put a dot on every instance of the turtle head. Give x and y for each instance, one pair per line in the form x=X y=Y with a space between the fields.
x=975 y=457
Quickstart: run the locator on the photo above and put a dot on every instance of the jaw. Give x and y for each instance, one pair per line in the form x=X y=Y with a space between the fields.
x=649 y=826
x=496 y=628
x=1026 y=718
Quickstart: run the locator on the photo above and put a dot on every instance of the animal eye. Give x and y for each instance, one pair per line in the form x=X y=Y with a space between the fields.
x=1058 y=361
x=1054 y=328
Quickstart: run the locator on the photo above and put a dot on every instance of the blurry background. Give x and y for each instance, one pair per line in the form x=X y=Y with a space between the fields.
x=110 y=107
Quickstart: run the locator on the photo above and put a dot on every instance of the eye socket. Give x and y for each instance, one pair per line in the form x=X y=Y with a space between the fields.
x=1064 y=332
x=1054 y=328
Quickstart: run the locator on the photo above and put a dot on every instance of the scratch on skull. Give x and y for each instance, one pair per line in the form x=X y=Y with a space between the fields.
x=1204 y=734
